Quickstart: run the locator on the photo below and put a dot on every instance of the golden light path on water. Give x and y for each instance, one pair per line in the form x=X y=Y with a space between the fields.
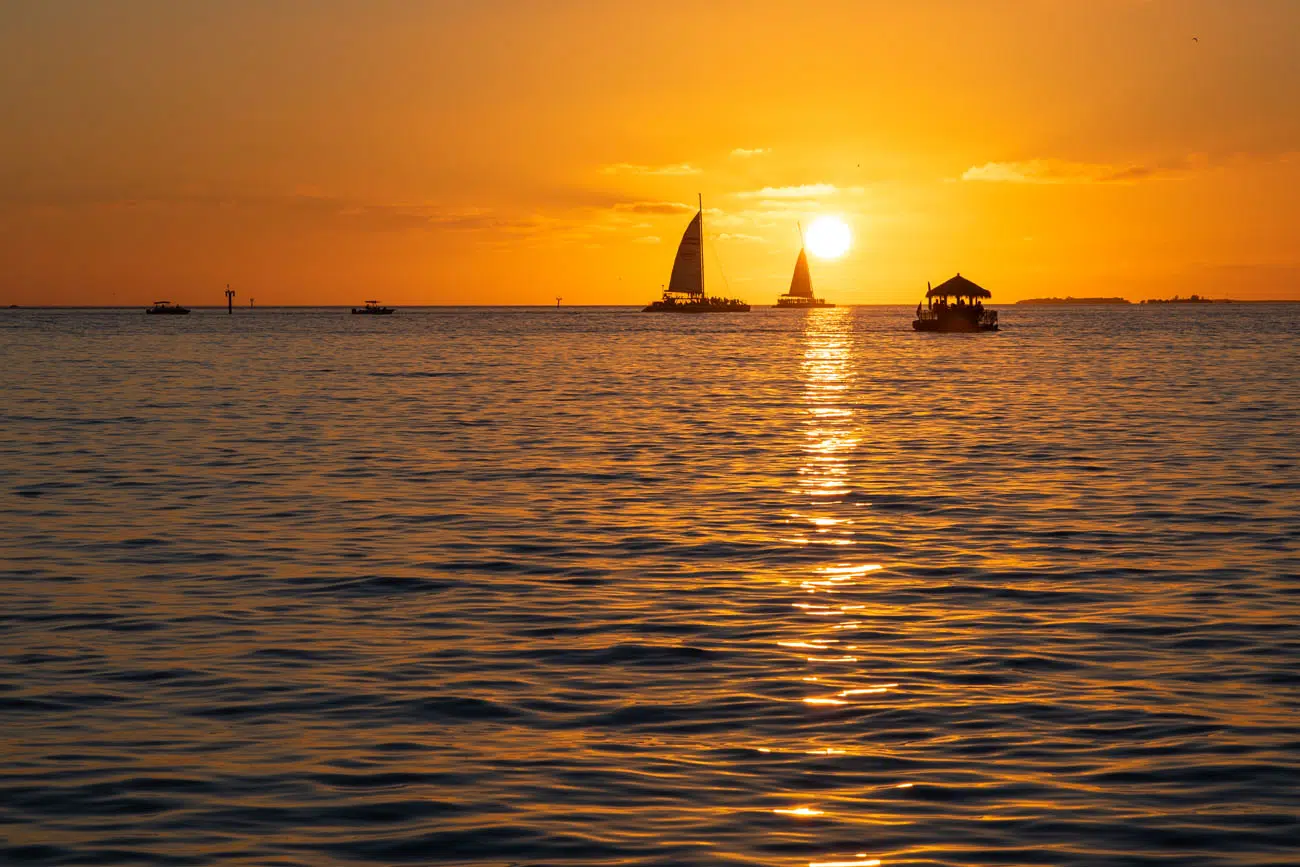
x=830 y=438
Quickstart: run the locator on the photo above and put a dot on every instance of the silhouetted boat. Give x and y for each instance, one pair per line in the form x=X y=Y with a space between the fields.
x=373 y=308
x=166 y=308
x=801 y=291
x=967 y=313
x=685 y=292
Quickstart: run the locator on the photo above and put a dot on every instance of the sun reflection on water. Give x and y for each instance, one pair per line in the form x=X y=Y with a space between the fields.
x=825 y=481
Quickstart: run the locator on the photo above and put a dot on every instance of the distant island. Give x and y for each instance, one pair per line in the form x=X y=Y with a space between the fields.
x=1191 y=299
x=1070 y=299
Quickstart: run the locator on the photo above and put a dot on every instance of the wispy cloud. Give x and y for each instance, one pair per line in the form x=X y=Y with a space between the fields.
x=654 y=208
x=803 y=191
x=737 y=236
x=300 y=206
x=636 y=169
x=789 y=204
x=1065 y=172
x=743 y=153
x=646 y=239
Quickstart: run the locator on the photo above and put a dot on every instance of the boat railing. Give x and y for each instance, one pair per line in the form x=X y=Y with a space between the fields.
x=987 y=317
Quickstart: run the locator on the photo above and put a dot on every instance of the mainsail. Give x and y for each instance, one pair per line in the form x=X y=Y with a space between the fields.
x=688 y=267
x=801 y=283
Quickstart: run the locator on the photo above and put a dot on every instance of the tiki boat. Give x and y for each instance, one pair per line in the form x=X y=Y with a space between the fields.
x=685 y=292
x=373 y=307
x=964 y=313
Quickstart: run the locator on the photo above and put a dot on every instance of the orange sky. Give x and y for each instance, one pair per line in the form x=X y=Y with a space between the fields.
x=481 y=152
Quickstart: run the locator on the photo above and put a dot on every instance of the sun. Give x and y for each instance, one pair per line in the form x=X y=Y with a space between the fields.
x=828 y=238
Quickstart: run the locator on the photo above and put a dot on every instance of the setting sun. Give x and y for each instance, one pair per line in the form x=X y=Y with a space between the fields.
x=828 y=238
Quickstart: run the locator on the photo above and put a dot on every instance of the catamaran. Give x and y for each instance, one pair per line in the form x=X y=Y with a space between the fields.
x=801 y=291
x=685 y=292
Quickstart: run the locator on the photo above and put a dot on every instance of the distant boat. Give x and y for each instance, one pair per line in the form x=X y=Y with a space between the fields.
x=685 y=292
x=966 y=313
x=373 y=308
x=166 y=308
x=801 y=291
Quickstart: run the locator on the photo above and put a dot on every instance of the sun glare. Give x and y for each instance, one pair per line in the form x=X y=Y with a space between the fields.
x=828 y=238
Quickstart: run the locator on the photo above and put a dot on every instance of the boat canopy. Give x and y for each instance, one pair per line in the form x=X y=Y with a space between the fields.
x=958 y=287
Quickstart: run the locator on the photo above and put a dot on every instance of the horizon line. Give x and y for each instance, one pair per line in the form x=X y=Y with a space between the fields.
x=1081 y=302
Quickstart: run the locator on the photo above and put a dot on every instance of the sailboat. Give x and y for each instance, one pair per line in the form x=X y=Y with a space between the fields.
x=801 y=291
x=685 y=292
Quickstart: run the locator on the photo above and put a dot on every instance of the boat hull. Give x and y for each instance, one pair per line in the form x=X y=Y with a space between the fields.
x=384 y=312
x=170 y=311
x=952 y=326
x=802 y=305
x=661 y=307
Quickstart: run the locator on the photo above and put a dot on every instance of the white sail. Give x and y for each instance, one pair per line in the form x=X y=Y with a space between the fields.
x=688 y=267
x=801 y=283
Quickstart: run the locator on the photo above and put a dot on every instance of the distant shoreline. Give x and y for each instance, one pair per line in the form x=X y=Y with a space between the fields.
x=1195 y=299
x=1070 y=299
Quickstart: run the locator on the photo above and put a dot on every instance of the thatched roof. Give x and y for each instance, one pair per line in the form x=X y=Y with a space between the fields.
x=958 y=287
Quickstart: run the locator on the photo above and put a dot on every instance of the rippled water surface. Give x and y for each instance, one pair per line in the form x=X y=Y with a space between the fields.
x=582 y=586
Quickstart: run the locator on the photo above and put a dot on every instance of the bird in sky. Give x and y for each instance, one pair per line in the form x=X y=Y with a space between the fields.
x=1194 y=39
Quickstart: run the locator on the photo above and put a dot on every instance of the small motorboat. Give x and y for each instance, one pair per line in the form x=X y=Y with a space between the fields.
x=373 y=307
x=166 y=308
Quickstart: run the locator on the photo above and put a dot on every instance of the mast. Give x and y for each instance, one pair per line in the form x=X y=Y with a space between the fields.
x=702 y=295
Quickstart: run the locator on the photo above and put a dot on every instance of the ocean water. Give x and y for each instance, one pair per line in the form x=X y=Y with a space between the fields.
x=587 y=587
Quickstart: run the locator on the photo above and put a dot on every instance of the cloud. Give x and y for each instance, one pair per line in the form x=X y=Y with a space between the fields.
x=654 y=208
x=742 y=153
x=646 y=239
x=396 y=216
x=804 y=191
x=1065 y=172
x=718 y=219
x=737 y=236
x=1058 y=171
x=635 y=169
x=298 y=207
x=402 y=217
x=790 y=204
